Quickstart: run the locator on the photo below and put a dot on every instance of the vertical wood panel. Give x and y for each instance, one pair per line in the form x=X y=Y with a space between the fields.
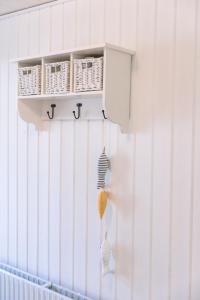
x=80 y=204
x=12 y=254
x=67 y=203
x=112 y=21
x=162 y=108
x=124 y=206
x=57 y=27
x=4 y=141
x=43 y=203
x=143 y=155
x=43 y=164
x=195 y=246
x=80 y=171
x=23 y=40
x=69 y=25
x=45 y=29
x=112 y=35
x=33 y=161
x=67 y=167
x=54 y=203
x=34 y=33
x=97 y=12
x=54 y=160
x=110 y=140
x=182 y=159
x=124 y=192
x=32 y=200
x=83 y=23
x=128 y=16
x=93 y=246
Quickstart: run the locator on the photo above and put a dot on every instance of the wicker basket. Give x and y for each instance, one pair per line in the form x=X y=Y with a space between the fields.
x=29 y=80
x=88 y=74
x=57 y=77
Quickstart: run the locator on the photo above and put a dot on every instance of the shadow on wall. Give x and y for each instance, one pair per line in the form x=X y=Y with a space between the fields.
x=120 y=198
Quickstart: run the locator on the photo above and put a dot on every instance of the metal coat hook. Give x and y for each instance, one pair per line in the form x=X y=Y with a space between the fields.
x=79 y=111
x=103 y=112
x=52 y=111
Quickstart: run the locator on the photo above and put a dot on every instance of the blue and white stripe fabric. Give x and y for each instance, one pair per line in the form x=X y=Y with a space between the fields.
x=103 y=166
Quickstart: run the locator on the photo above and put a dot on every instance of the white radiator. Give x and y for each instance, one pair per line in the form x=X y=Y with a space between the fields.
x=18 y=285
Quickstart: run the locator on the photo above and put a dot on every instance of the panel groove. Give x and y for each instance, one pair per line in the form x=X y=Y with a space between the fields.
x=73 y=242
x=193 y=147
x=154 y=57
x=172 y=149
x=86 y=231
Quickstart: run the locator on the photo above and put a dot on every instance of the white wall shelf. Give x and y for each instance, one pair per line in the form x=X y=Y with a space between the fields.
x=114 y=99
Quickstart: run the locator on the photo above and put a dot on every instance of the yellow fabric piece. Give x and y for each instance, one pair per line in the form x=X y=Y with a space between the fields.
x=102 y=203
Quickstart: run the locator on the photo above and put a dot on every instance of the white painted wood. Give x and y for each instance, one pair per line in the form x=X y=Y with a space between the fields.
x=67 y=204
x=195 y=220
x=80 y=205
x=128 y=15
x=143 y=152
x=8 y=6
x=12 y=140
x=43 y=204
x=124 y=205
x=4 y=141
x=108 y=283
x=112 y=21
x=182 y=162
x=33 y=162
x=114 y=99
x=67 y=168
x=93 y=221
x=43 y=167
x=69 y=20
x=56 y=27
x=117 y=89
x=162 y=125
x=32 y=200
x=154 y=270
x=85 y=50
x=34 y=33
x=97 y=24
x=83 y=24
x=44 y=31
x=22 y=178
x=54 y=203
x=54 y=161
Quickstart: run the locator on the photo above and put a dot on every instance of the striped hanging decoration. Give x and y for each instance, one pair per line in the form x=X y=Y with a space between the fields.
x=103 y=166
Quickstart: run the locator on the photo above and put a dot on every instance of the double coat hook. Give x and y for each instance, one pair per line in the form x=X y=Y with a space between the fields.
x=79 y=111
x=52 y=111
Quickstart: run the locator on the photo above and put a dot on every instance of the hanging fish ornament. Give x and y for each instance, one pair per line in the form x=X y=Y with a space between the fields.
x=106 y=252
x=103 y=167
x=102 y=202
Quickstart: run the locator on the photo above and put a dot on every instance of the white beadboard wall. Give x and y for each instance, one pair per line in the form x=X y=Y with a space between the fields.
x=48 y=217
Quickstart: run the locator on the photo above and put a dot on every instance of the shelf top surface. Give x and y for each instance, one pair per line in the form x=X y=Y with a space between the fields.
x=81 y=95
x=90 y=50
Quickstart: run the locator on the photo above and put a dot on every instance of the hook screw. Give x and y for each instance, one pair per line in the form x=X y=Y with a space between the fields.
x=79 y=111
x=52 y=111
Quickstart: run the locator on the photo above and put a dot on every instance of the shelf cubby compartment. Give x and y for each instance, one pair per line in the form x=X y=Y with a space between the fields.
x=114 y=98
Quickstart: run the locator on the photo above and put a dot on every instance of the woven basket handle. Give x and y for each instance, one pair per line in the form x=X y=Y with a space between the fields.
x=55 y=69
x=26 y=72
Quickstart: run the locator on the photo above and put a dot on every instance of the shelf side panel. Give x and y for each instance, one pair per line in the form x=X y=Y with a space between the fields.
x=117 y=86
x=30 y=112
